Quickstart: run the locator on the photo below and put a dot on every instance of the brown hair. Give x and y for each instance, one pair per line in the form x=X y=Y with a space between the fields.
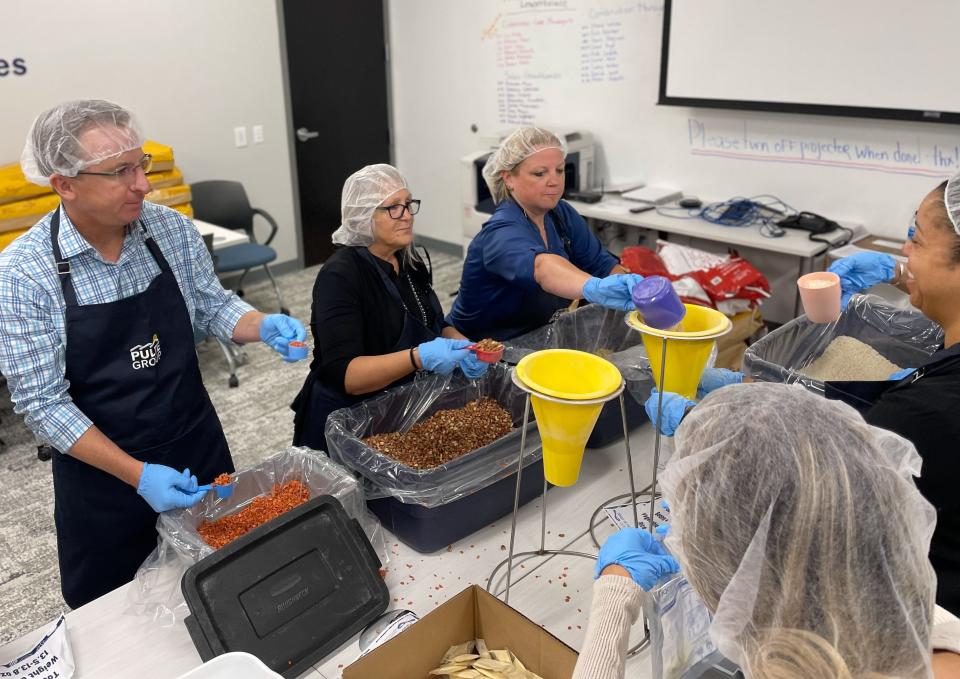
x=943 y=221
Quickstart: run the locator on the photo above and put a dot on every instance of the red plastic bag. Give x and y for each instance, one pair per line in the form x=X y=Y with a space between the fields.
x=734 y=279
x=644 y=261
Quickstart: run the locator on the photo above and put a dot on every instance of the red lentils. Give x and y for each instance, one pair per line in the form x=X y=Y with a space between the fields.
x=282 y=498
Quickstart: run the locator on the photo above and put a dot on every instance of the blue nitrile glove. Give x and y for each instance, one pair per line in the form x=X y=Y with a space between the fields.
x=674 y=408
x=472 y=366
x=861 y=271
x=714 y=378
x=278 y=330
x=442 y=355
x=612 y=291
x=165 y=488
x=900 y=374
x=640 y=554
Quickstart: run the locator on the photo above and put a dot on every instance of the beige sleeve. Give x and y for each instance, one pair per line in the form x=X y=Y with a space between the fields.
x=615 y=607
x=945 y=635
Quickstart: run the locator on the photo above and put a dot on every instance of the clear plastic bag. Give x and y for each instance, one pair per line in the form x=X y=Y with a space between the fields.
x=903 y=336
x=679 y=630
x=155 y=591
x=597 y=330
x=401 y=408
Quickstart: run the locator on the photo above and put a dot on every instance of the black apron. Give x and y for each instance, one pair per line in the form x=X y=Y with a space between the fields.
x=132 y=369
x=316 y=400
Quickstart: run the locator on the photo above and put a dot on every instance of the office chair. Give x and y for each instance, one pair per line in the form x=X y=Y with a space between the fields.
x=225 y=204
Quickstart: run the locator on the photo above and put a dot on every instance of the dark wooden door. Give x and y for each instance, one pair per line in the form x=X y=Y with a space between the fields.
x=337 y=67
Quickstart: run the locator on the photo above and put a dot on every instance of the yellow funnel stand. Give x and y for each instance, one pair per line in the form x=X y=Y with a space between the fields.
x=687 y=350
x=567 y=390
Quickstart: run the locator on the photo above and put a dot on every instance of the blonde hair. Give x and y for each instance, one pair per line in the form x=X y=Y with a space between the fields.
x=783 y=506
x=516 y=148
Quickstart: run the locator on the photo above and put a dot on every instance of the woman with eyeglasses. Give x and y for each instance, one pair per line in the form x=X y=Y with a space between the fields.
x=376 y=320
x=535 y=254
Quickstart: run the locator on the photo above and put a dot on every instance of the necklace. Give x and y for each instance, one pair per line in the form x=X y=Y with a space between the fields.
x=416 y=298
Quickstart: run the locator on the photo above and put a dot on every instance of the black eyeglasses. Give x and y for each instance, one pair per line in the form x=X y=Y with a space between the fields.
x=127 y=173
x=396 y=211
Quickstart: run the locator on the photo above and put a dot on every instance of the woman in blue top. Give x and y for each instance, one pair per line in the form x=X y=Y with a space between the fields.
x=536 y=253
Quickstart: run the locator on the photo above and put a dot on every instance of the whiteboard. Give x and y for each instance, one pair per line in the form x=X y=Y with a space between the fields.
x=464 y=69
x=856 y=53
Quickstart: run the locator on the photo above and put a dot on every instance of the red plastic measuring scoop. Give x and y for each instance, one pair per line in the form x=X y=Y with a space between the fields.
x=486 y=356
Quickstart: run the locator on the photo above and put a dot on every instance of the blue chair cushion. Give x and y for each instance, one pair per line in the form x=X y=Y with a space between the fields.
x=244 y=256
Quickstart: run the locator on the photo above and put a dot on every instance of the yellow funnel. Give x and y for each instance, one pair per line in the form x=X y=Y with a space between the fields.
x=572 y=387
x=687 y=351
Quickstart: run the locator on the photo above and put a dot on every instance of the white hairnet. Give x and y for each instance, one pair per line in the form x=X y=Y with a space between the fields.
x=801 y=528
x=951 y=199
x=363 y=192
x=57 y=142
x=520 y=145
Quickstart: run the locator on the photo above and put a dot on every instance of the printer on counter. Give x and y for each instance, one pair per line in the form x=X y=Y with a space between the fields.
x=477 y=203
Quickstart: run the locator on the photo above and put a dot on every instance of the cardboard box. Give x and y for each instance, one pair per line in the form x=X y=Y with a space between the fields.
x=731 y=357
x=471 y=614
x=744 y=325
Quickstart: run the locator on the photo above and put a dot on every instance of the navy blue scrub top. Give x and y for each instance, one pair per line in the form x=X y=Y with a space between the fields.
x=499 y=297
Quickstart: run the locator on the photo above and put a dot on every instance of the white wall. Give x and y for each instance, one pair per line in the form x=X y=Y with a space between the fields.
x=447 y=65
x=191 y=70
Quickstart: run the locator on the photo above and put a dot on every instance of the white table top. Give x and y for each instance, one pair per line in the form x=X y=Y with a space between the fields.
x=555 y=592
x=615 y=209
x=222 y=237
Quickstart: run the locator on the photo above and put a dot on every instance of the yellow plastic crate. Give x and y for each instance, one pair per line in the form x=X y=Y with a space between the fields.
x=170 y=196
x=184 y=208
x=161 y=180
x=162 y=155
x=25 y=213
x=9 y=237
x=14 y=186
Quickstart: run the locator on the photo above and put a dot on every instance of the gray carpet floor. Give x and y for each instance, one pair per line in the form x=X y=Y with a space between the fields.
x=256 y=418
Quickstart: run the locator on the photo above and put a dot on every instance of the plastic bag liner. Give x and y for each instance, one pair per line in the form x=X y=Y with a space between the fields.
x=402 y=407
x=604 y=333
x=155 y=590
x=902 y=336
x=680 y=644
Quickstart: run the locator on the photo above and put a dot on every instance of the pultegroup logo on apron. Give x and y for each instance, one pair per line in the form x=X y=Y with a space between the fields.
x=145 y=355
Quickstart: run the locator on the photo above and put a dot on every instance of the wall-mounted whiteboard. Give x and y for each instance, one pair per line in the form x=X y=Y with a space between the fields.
x=856 y=57
x=462 y=69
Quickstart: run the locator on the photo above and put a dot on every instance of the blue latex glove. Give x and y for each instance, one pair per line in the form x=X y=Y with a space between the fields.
x=900 y=374
x=613 y=291
x=674 y=408
x=278 y=330
x=640 y=554
x=472 y=366
x=861 y=271
x=165 y=488
x=714 y=378
x=442 y=355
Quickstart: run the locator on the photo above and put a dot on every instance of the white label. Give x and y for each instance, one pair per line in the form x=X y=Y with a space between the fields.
x=622 y=515
x=52 y=658
x=390 y=631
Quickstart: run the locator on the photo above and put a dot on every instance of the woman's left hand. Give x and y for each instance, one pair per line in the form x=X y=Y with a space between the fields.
x=472 y=366
x=640 y=554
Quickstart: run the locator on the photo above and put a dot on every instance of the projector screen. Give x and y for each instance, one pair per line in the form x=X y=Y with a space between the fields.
x=864 y=58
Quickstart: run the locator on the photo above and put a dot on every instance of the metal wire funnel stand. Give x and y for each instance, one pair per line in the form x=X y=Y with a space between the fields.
x=543 y=551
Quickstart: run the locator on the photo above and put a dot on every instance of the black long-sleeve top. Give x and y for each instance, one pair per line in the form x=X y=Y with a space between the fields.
x=354 y=313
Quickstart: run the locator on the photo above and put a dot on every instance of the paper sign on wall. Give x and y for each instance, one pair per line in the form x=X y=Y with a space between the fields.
x=51 y=658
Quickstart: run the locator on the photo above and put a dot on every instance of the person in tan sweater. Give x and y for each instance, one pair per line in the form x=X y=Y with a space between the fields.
x=801 y=529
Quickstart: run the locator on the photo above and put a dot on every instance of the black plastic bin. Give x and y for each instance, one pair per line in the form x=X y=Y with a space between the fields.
x=603 y=332
x=430 y=508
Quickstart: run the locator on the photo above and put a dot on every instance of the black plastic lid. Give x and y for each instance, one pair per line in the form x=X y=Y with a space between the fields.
x=290 y=591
